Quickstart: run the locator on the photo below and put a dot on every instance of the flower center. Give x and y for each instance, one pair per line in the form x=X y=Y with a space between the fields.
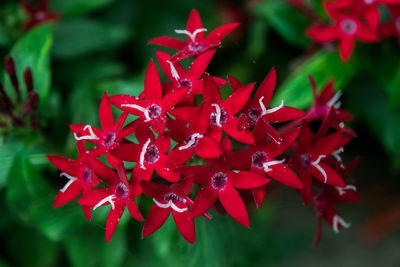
x=219 y=181
x=154 y=111
x=348 y=26
x=86 y=176
x=368 y=2
x=305 y=160
x=152 y=154
x=397 y=24
x=185 y=83
x=109 y=139
x=121 y=190
x=40 y=15
x=219 y=117
x=174 y=198
x=258 y=159
x=191 y=141
x=196 y=46
x=254 y=113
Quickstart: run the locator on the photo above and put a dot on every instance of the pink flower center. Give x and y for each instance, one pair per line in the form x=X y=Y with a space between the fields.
x=397 y=24
x=40 y=15
x=86 y=176
x=192 y=140
x=368 y=2
x=306 y=160
x=196 y=46
x=154 y=111
x=174 y=198
x=258 y=159
x=254 y=113
x=219 y=181
x=152 y=155
x=219 y=117
x=121 y=190
x=348 y=26
x=109 y=139
x=185 y=82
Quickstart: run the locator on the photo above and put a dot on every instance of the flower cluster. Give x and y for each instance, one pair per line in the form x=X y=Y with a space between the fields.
x=353 y=20
x=189 y=153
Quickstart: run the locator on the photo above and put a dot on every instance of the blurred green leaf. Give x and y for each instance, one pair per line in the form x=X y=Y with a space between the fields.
x=394 y=91
x=30 y=197
x=7 y=154
x=323 y=66
x=288 y=22
x=79 y=37
x=32 y=50
x=78 y=7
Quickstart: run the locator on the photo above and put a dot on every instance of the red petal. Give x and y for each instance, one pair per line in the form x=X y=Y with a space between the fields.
x=226 y=146
x=163 y=59
x=163 y=143
x=215 y=37
x=234 y=205
x=305 y=138
x=326 y=145
x=307 y=184
x=168 y=42
x=61 y=163
x=153 y=190
x=194 y=23
x=199 y=123
x=178 y=157
x=165 y=172
x=235 y=102
x=211 y=92
x=366 y=34
x=205 y=199
x=155 y=218
x=247 y=180
x=113 y=160
x=72 y=192
x=185 y=225
x=183 y=113
x=207 y=149
x=284 y=175
x=103 y=171
x=133 y=209
x=230 y=127
x=129 y=152
x=92 y=198
x=260 y=133
x=332 y=177
x=106 y=116
x=346 y=47
x=183 y=187
x=113 y=219
x=144 y=174
x=200 y=64
x=259 y=194
x=323 y=34
x=234 y=83
x=87 y=211
x=172 y=98
x=284 y=114
x=267 y=87
x=152 y=84
x=240 y=160
x=274 y=149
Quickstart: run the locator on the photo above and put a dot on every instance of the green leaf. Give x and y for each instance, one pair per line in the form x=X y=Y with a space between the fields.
x=394 y=91
x=32 y=50
x=30 y=197
x=78 y=7
x=82 y=36
x=323 y=66
x=289 y=23
x=7 y=155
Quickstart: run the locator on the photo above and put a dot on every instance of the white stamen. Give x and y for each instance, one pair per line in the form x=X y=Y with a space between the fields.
x=334 y=101
x=319 y=168
x=193 y=138
x=271 y=110
x=142 y=109
x=267 y=164
x=170 y=204
x=91 y=136
x=142 y=153
x=104 y=200
x=173 y=70
x=217 y=115
x=338 y=221
x=192 y=36
x=341 y=125
x=336 y=155
x=342 y=190
x=236 y=171
x=71 y=180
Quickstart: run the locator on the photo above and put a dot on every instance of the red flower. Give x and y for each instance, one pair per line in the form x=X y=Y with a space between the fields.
x=38 y=14
x=222 y=115
x=220 y=183
x=179 y=78
x=119 y=194
x=392 y=29
x=255 y=109
x=109 y=137
x=149 y=154
x=80 y=175
x=196 y=44
x=153 y=107
x=347 y=28
x=172 y=199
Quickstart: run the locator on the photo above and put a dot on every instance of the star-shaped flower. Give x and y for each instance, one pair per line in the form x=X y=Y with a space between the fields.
x=38 y=14
x=392 y=28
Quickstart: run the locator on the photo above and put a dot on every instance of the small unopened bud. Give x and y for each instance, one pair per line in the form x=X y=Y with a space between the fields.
x=28 y=79
x=10 y=69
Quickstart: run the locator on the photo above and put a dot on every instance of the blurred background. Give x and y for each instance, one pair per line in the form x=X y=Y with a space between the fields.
x=101 y=46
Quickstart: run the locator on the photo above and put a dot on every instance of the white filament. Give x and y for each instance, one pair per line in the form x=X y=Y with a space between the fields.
x=338 y=221
x=170 y=204
x=142 y=153
x=174 y=73
x=192 y=141
x=271 y=110
x=71 y=180
x=336 y=155
x=217 y=115
x=334 y=101
x=267 y=164
x=192 y=35
x=342 y=190
x=104 y=200
x=319 y=168
x=92 y=136
x=142 y=109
